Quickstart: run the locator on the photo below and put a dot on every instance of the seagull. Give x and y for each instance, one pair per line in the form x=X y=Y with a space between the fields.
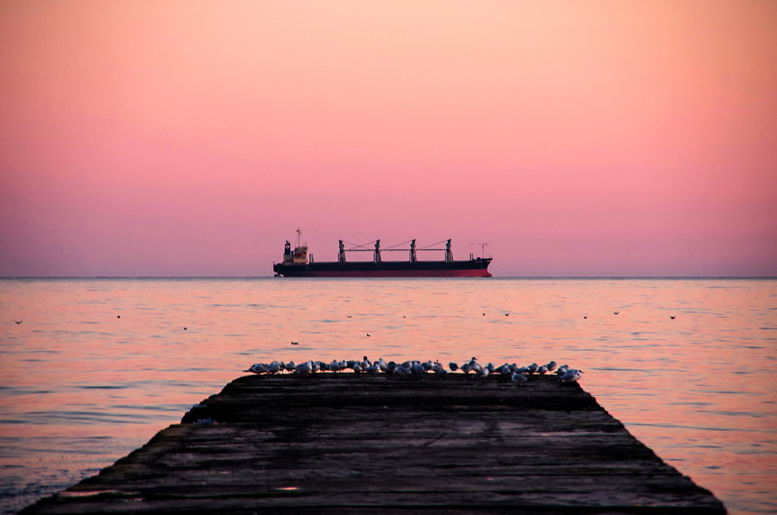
x=551 y=366
x=571 y=376
x=258 y=368
x=542 y=370
x=518 y=378
x=453 y=366
x=507 y=314
x=274 y=367
x=533 y=368
x=290 y=366
x=418 y=368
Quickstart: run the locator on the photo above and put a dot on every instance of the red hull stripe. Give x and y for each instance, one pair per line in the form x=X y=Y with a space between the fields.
x=393 y=273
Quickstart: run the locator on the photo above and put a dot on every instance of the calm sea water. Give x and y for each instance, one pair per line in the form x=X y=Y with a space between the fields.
x=96 y=367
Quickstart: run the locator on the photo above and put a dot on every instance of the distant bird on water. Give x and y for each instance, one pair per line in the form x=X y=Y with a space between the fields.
x=484 y=314
x=586 y=317
x=616 y=312
x=118 y=316
x=295 y=343
x=18 y=322
x=185 y=329
x=671 y=316
x=507 y=314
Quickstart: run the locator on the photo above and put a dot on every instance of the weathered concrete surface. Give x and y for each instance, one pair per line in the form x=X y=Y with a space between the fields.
x=351 y=443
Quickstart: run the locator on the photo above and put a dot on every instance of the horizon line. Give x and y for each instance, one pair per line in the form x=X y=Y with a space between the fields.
x=28 y=277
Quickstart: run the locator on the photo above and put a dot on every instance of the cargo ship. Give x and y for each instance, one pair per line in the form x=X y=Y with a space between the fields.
x=298 y=263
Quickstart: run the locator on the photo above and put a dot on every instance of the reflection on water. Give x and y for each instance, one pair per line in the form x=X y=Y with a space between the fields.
x=96 y=367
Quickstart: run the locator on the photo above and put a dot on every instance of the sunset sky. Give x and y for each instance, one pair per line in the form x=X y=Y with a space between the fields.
x=577 y=137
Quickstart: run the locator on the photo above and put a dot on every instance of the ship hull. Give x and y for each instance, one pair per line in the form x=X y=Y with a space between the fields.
x=473 y=268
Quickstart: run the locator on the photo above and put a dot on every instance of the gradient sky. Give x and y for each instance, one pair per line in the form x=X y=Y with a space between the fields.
x=577 y=137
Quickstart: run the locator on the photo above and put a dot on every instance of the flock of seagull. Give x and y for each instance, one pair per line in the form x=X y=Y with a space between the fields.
x=518 y=375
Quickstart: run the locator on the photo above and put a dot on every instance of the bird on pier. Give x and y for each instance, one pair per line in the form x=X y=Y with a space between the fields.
x=518 y=378
x=571 y=376
x=274 y=367
x=258 y=368
x=533 y=368
x=551 y=366
x=438 y=369
x=304 y=368
x=453 y=366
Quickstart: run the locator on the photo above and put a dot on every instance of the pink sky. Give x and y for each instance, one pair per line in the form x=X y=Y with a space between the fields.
x=577 y=137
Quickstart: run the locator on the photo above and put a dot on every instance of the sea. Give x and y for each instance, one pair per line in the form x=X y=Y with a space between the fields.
x=91 y=369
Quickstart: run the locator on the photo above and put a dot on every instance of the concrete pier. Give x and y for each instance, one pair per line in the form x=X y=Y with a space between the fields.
x=354 y=443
